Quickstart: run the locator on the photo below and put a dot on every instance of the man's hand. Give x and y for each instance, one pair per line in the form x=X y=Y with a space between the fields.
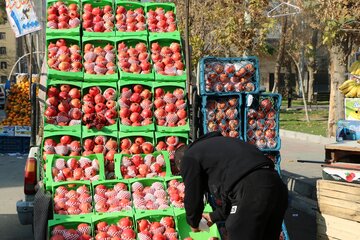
x=195 y=229
x=208 y=219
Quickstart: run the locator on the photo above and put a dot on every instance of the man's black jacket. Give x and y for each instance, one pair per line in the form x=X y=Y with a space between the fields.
x=215 y=164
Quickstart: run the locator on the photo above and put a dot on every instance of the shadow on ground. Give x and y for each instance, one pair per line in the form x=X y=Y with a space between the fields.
x=11 y=229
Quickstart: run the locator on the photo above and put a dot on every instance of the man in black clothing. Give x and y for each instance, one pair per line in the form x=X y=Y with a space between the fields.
x=243 y=181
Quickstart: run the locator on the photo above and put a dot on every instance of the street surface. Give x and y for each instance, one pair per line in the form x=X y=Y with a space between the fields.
x=300 y=225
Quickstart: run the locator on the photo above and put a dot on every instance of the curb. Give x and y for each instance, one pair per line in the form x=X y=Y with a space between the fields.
x=306 y=137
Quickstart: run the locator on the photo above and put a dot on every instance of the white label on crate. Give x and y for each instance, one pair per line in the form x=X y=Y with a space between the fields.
x=250 y=100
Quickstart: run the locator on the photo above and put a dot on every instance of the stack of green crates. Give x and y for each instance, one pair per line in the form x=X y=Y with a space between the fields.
x=152 y=133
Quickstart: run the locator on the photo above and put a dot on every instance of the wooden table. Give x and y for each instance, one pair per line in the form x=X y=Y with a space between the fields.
x=347 y=151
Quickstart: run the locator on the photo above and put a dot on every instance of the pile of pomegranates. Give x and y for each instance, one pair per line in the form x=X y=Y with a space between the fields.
x=63 y=57
x=229 y=77
x=123 y=229
x=97 y=19
x=130 y=20
x=63 y=105
x=72 y=201
x=134 y=59
x=136 y=145
x=157 y=230
x=99 y=107
x=152 y=197
x=143 y=166
x=63 y=16
x=170 y=107
x=170 y=144
x=99 y=60
x=112 y=199
x=66 y=146
x=74 y=169
x=223 y=115
x=167 y=59
x=102 y=145
x=159 y=20
x=82 y=231
x=176 y=191
x=261 y=124
x=136 y=106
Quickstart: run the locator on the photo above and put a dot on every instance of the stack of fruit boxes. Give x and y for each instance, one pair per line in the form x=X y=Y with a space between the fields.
x=232 y=104
x=115 y=90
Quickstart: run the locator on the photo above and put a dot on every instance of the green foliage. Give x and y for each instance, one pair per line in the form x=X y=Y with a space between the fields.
x=3 y=15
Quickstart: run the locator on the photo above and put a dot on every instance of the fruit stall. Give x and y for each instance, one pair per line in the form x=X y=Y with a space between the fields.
x=15 y=127
x=338 y=192
x=116 y=108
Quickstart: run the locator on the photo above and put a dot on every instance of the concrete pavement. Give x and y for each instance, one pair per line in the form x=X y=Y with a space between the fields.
x=11 y=190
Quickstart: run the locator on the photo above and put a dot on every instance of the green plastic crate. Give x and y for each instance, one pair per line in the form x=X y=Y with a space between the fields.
x=180 y=179
x=110 y=184
x=70 y=223
x=171 y=86
x=73 y=185
x=118 y=161
x=100 y=42
x=166 y=41
x=55 y=74
x=50 y=161
x=111 y=218
x=101 y=4
x=63 y=32
x=147 y=128
x=131 y=41
x=167 y=6
x=131 y=5
x=52 y=127
x=185 y=230
x=103 y=86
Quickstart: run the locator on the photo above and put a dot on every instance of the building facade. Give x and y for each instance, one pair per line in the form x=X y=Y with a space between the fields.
x=8 y=51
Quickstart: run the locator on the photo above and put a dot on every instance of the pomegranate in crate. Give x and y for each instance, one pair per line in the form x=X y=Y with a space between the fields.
x=112 y=199
x=163 y=229
x=99 y=108
x=152 y=197
x=170 y=108
x=134 y=59
x=72 y=201
x=167 y=60
x=139 y=145
x=99 y=60
x=123 y=229
x=63 y=57
x=136 y=106
x=80 y=231
x=131 y=20
x=66 y=146
x=159 y=20
x=176 y=192
x=143 y=166
x=63 y=106
x=97 y=19
x=63 y=16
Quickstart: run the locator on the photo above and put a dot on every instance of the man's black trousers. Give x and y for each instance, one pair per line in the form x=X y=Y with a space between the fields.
x=259 y=202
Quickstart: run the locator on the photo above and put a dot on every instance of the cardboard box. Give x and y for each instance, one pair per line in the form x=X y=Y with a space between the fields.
x=22 y=131
x=7 y=131
x=352 y=109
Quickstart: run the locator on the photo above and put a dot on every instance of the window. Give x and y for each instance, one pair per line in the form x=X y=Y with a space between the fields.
x=2 y=35
x=2 y=50
x=3 y=65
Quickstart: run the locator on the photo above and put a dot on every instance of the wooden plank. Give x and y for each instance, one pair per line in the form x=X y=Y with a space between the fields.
x=335 y=233
x=338 y=195
x=339 y=212
x=321 y=236
x=339 y=203
x=344 y=146
x=349 y=188
x=340 y=224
